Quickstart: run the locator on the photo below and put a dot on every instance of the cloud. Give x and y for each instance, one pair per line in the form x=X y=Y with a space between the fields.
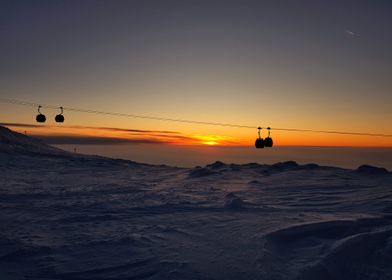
x=96 y=140
x=133 y=130
x=350 y=33
x=125 y=136
x=21 y=125
x=82 y=135
x=83 y=140
x=114 y=129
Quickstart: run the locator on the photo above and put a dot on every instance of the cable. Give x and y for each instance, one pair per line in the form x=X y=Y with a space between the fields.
x=31 y=104
x=18 y=102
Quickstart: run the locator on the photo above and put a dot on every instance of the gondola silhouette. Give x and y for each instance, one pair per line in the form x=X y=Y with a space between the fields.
x=267 y=142
x=259 y=141
x=40 y=117
x=60 y=118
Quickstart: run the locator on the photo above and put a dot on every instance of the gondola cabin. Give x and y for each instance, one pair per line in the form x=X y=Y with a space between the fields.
x=259 y=143
x=40 y=118
x=59 y=118
x=268 y=142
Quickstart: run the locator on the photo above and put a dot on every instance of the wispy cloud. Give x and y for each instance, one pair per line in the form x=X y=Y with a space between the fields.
x=350 y=33
x=126 y=129
x=83 y=140
x=83 y=135
x=20 y=125
x=91 y=127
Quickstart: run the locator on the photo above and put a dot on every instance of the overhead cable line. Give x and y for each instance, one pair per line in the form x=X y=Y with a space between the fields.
x=72 y=109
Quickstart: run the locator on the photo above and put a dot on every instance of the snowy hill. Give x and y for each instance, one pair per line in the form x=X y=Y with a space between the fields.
x=14 y=142
x=82 y=217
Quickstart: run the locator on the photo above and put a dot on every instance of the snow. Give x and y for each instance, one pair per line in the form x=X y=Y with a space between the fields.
x=70 y=216
x=11 y=142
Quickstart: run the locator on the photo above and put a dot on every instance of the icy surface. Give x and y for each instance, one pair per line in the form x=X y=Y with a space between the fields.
x=67 y=216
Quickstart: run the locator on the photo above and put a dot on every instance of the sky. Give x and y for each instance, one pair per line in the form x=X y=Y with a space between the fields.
x=323 y=65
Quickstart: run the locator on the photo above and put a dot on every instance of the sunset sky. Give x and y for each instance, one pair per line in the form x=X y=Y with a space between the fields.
x=322 y=65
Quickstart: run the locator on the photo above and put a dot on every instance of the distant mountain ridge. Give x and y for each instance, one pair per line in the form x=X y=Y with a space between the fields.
x=14 y=142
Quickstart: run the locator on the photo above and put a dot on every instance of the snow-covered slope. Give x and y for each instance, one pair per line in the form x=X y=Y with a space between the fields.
x=77 y=217
x=14 y=142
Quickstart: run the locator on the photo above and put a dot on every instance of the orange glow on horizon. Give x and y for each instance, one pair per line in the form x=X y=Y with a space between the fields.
x=181 y=138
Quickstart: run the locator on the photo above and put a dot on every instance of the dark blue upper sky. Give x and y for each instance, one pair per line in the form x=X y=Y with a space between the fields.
x=312 y=63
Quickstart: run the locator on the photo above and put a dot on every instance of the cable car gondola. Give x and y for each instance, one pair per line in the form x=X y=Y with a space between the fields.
x=40 y=117
x=60 y=118
x=259 y=141
x=268 y=141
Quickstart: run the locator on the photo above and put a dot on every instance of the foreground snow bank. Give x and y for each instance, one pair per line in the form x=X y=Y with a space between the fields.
x=342 y=249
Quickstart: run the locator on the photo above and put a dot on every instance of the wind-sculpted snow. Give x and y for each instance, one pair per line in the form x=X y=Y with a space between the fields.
x=338 y=249
x=85 y=217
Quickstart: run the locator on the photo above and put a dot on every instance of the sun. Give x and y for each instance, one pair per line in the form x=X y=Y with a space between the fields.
x=208 y=140
x=210 y=143
x=214 y=140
